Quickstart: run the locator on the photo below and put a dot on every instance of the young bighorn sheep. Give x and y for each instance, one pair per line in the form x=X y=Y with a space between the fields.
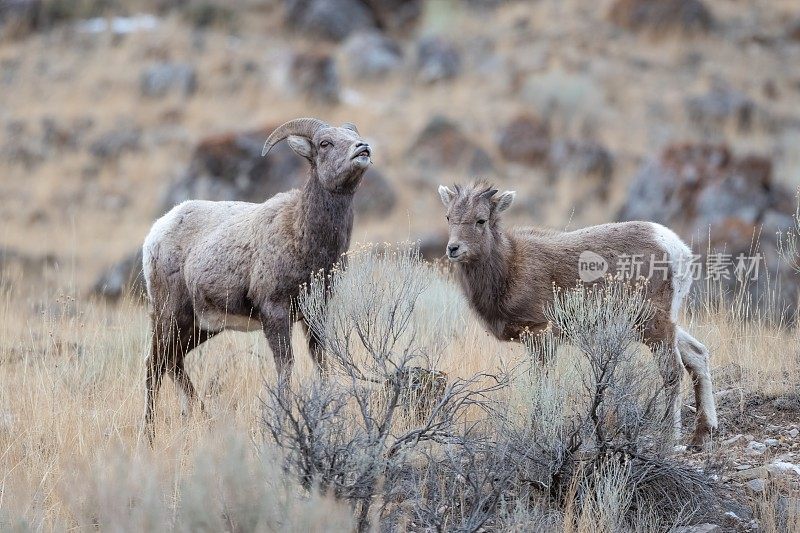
x=211 y=266
x=508 y=278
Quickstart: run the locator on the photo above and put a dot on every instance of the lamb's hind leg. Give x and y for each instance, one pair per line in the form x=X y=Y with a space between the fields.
x=671 y=373
x=695 y=358
x=661 y=340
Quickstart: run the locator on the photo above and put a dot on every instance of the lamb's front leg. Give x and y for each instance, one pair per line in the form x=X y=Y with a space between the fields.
x=277 y=324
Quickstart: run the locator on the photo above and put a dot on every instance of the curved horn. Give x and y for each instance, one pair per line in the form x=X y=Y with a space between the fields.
x=304 y=127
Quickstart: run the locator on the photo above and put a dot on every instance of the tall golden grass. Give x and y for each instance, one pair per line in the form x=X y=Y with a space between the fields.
x=71 y=404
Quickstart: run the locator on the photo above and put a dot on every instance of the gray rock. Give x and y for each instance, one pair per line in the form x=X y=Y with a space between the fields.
x=443 y=146
x=314 y=75
x=756 y=486
x=526 y=140
x=397 y=16
x=122 y=279
x=230 y=167
x=328 y=19
x=162 y=78
x=720 y=203
x=793 y=31
x=700 y=528
x=432 y=245
x=64 y=135
x=719 y=107
x=583 y=159
x=661 y=16
x=793 y=433
x=375 y=197
x=31 y=264
x=755 y=447
x=784 y=468
x=732 y=440
x=787 y=403
x=112 y=144
x=751 y=473
x=437 y=59
x=771 y=443
x=371 y=55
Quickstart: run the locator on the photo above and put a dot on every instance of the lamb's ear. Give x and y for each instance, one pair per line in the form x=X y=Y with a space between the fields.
x=446 y=194
x=300 y=145
x=503 y=202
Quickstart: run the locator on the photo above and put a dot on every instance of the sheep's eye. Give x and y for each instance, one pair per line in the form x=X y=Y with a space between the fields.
x=481 y=222
x=325 y=144
x=447 y=217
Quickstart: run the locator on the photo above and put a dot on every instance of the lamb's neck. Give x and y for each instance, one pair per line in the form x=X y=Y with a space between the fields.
x=324 y=220
x=486 y=280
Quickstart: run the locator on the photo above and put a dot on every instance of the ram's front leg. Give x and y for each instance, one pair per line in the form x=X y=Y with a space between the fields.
x=277 y=324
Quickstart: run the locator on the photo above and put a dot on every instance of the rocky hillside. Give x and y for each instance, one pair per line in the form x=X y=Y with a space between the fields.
x=113 y=111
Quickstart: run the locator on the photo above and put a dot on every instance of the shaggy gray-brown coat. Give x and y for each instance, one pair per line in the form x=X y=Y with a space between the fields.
x=509 y=277
x=211 y=266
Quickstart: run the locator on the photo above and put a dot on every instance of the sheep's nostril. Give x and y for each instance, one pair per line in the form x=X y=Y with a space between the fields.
x=452 y=248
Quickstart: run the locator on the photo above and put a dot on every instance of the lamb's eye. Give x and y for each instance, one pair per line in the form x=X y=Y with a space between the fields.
x=481 y=222
x=325 y=144
x=447 y=217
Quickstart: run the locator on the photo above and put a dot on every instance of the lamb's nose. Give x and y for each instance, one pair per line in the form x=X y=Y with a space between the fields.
x=452 y=248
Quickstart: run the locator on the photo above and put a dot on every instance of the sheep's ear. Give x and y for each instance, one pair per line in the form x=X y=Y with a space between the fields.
x=300 y=145
x=350 y=126
x=503 y=202
x=446 y=194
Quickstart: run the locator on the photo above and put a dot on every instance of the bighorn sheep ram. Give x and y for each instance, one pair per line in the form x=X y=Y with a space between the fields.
x=211 y=266
x=508 y=278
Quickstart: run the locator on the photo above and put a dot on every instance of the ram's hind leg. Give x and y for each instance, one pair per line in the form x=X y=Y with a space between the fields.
x=155 y=366
x=190 y=338
x=695 y=358
x=315 y=348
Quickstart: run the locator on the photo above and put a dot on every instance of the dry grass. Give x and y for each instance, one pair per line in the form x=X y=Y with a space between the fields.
x=71 y=368
x=71 y=400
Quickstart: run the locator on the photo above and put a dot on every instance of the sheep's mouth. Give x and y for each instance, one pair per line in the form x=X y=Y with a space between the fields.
x=363 y=152
x=457 y=257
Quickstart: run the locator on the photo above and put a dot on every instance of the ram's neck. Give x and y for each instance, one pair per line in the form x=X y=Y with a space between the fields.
x=324 y=223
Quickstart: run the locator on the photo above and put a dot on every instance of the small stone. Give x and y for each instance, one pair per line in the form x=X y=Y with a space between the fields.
x=700 y=528
x=159 y=79
x=744 y=467
x=732 y=440
x=771 y=442
x=752 y=473
x=794 y=432
x=437 y=59
x=315 y=75
x=371 y=55
x=755 y=448
x=732 y=518
x=780 y=467
x=757 y=485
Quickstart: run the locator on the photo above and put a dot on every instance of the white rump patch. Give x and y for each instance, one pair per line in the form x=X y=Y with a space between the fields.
x=680 y=258
x=158 y=231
